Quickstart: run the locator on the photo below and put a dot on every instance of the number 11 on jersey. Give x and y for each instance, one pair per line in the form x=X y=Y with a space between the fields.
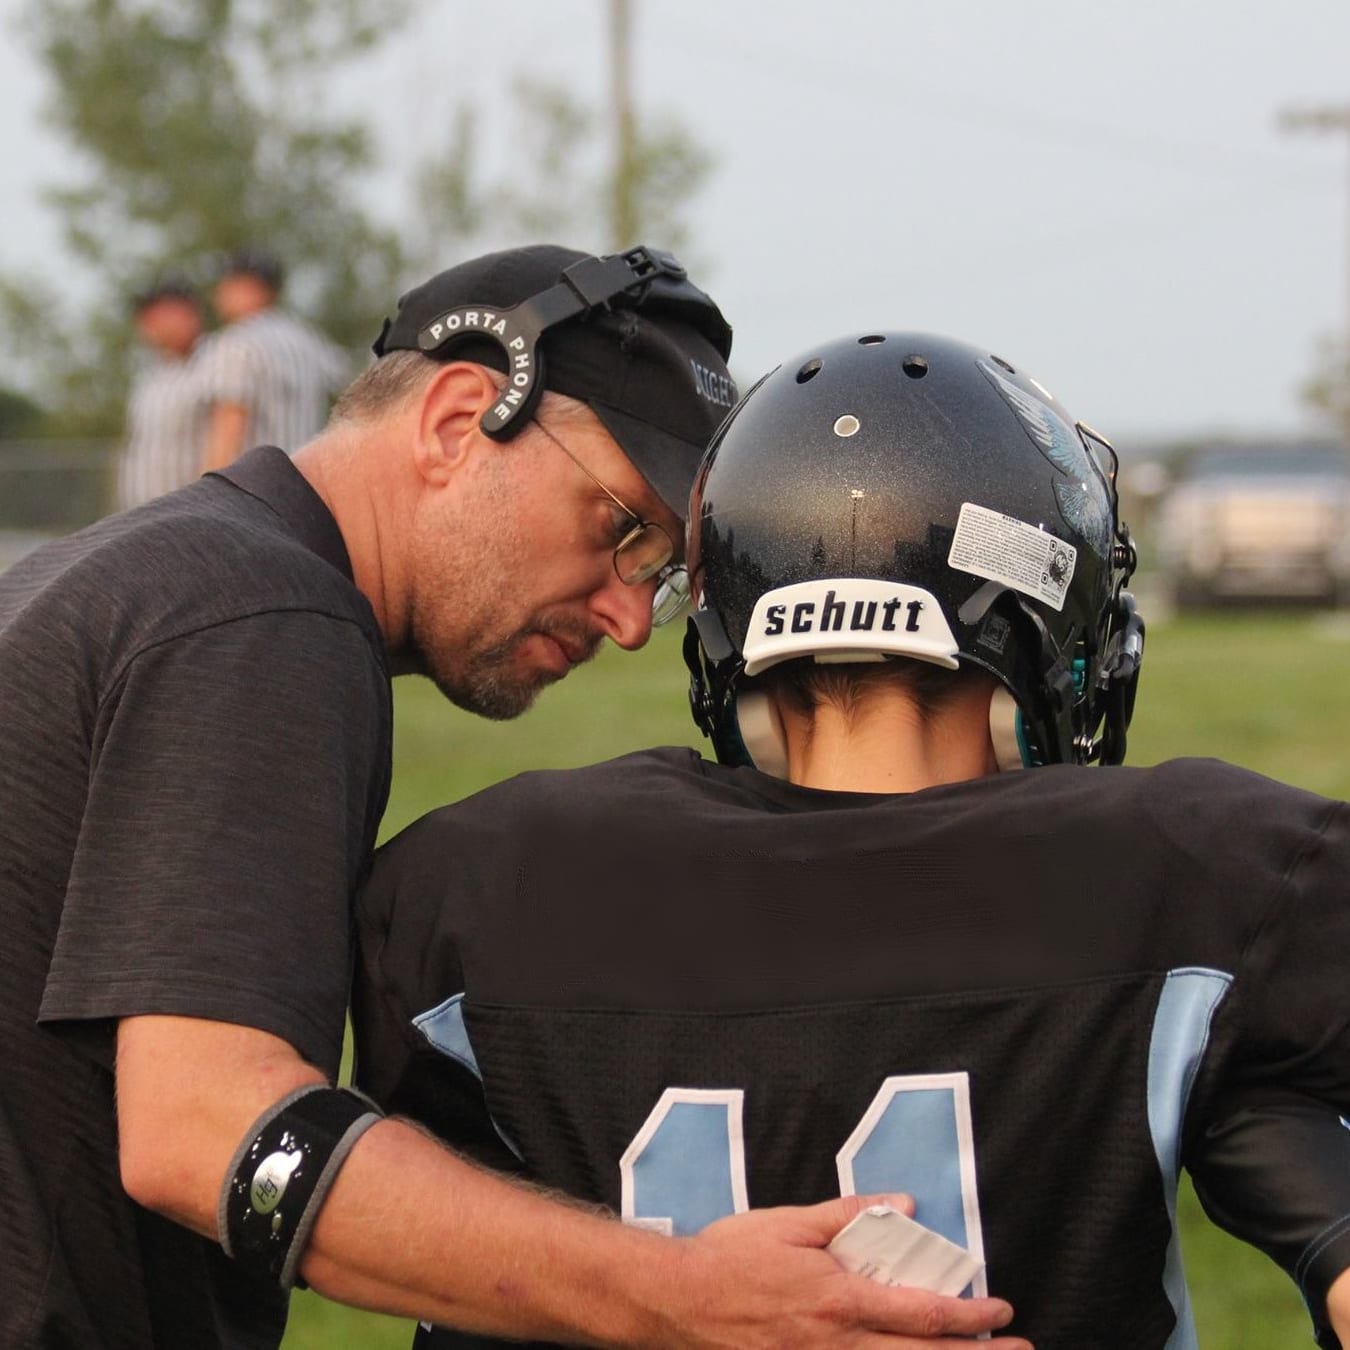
x=685 y=1167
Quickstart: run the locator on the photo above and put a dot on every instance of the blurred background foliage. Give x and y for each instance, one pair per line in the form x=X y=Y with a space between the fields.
x=204 y=126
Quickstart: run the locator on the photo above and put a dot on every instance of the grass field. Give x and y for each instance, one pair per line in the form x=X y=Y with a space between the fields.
x=1269 y=691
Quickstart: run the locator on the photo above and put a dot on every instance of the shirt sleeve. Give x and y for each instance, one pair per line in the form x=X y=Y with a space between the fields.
x=1273 y=1168
x=1292 y=1011
x=1271 y=1161
x=237 y=778
x=229 y=369
x=336 y=366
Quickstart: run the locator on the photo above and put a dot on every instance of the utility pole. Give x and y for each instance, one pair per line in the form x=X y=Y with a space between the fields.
x=1326 y=119
x=623 y=225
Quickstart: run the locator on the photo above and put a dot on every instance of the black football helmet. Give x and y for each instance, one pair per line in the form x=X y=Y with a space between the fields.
x=901 y=494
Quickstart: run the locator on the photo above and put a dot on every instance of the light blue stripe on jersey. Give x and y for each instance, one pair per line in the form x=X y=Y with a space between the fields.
x=444 y=1027
x=1180 y=1035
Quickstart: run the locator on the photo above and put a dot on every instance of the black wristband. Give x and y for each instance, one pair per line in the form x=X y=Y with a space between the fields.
x=281 y=1172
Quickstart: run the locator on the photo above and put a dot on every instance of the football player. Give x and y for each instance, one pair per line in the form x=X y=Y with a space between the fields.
x=899 y=937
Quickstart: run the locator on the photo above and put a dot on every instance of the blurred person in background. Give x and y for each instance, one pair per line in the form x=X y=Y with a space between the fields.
x=166 y=417
x=195 y=751
x=898 y=937
x=268 y=377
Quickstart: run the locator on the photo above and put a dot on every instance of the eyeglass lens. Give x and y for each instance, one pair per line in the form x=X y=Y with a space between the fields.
x=642 y=553
x=672 y=594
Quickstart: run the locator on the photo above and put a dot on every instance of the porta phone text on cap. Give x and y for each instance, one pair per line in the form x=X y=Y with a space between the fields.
x=489 y=321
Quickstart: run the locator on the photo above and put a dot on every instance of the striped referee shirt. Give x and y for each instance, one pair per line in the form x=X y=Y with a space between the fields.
x=166 y=429
x=279 y=368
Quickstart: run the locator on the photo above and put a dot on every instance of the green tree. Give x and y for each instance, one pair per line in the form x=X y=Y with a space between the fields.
x=203 y=126
x=563 y=182
x=1328 y=388
x=19 y=415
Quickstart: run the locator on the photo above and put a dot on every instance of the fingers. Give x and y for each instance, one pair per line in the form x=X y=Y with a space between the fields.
x=904 y=1203
x=917 y=1312
x=816 y=1225
x=809 y=1290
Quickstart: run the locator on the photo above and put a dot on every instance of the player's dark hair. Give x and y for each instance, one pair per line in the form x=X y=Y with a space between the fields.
x=807 y=684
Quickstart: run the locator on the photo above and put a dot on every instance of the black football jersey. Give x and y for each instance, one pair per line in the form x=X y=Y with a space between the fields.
x=681 y=990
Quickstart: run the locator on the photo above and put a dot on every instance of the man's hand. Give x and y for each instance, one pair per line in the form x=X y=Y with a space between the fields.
x=226 y=427
x=761 y=1280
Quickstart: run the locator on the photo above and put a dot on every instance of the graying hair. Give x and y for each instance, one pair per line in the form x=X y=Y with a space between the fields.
x=386 y=383
x=394 y=379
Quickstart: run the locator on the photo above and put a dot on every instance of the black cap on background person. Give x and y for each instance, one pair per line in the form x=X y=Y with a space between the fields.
x=168 y=317
x=247 y=281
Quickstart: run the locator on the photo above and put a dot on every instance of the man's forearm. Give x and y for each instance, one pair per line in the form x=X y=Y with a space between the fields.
x=458 y=1245
x=225 y=432
x=409 y=1227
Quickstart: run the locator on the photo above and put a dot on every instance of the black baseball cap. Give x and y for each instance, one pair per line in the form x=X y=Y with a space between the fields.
x=629 y=335
x=253 y=262
x=170 y=287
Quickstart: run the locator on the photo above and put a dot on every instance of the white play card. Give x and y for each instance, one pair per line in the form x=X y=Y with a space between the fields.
x=891 y=1248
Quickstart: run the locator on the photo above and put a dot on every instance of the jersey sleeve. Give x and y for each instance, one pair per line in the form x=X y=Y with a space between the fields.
x=1273 y=1168
x=237 y=778
x=228 y=370
x=1271 y=1160
x=1291 y=1014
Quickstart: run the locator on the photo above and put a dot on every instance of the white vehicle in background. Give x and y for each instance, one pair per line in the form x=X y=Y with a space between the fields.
x=1259 y=523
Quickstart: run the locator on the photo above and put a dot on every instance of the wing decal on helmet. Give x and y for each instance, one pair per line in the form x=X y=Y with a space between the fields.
x=1085 y=509
x=1082 y=500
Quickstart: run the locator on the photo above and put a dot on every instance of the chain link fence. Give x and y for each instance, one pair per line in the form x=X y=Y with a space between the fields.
x=50 y=488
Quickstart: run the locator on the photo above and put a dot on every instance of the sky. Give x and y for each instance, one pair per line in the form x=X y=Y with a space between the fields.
x=1100 y=193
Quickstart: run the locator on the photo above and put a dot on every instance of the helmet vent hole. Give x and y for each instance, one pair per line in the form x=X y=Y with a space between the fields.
x=915 y=367
x=810 y=370
x=847 y=425
x=871 y=339
x=999 y=361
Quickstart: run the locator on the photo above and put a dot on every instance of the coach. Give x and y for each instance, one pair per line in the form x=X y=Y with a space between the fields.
x=194 y=757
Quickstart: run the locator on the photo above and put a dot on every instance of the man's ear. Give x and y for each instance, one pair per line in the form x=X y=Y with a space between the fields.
x=447 y=425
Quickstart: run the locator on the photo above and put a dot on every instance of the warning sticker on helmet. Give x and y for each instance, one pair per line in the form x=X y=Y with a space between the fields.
x=1021 y=556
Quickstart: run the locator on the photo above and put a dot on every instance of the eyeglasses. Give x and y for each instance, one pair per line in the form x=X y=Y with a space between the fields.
x=644 y=552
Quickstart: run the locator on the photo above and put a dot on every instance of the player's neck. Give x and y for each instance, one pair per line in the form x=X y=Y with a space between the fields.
x=888 y=744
